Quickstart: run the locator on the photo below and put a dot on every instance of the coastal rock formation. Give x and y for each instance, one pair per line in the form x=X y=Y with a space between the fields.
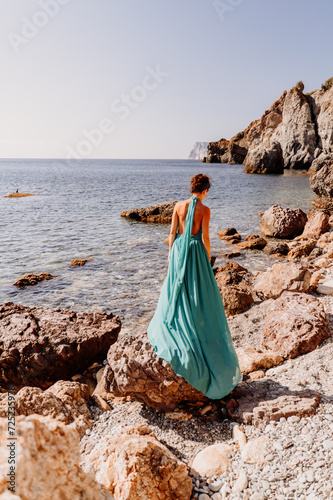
x=322 y=184
x=135 y=465
x=135 y=370
x=282 y=276
x=33 y=279
x=262 y=401
x=264 y=161
x=251 y=359
x=63 y=401
x=318 y=163
x=235 y=285
x=156 y=213
x=47 y=462
x=292 y=133
x=224 y=151
x=296 y=323
x=282 y=222
x=18 y=195
x=279 y=248
x=317 y=223
x=230 y=235
x=299 y=248
x=253 y=242
x=199 y=151
x=39 y=345
x=79 y=262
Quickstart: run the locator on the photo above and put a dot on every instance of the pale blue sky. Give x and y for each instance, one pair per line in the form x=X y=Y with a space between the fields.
x=66 y=65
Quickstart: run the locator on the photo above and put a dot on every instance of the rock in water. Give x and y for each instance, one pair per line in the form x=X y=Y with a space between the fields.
x=33 y=279
x=47 y=462
x=283 y=222
x=134 y=465
x=296 y=323
x=135 y=370
x=265 y=161
x=39 y=345
x=156 y=213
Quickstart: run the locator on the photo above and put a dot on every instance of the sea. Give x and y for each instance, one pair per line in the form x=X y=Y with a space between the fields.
x=75 y=214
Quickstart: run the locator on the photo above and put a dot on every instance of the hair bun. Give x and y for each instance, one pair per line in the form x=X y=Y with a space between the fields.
x=199 y=183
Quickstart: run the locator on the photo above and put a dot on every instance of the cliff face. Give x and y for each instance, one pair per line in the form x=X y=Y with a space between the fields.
x=198 y=151
x=292 y=133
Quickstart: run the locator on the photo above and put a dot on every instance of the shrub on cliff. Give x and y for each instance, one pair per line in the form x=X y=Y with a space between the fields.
x=328 y=84
x=300 y=85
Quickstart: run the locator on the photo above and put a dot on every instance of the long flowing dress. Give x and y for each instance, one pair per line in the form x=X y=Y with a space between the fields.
x=189 y=329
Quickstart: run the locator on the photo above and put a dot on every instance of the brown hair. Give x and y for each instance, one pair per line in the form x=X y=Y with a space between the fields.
x=199 y=183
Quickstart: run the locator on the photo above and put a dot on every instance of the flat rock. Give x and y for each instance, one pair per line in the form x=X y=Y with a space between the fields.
x=47 y=462
x=135 y=370
x=251 y=359
x=155 y=213
x=39 y=346
x=134 y=465
x=253 y=242
x=282 y=276
x=282 y=222
x=296 y=323
x=263 y=400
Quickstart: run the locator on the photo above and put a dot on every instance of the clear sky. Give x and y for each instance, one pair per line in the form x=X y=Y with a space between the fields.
x=149 y=78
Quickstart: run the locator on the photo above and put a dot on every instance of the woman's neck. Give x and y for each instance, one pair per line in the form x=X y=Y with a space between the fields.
x=199 y=195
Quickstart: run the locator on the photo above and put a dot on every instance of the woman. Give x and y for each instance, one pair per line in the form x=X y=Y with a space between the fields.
x=189 y=328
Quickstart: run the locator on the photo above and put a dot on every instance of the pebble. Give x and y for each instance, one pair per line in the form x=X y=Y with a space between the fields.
x=215 y=486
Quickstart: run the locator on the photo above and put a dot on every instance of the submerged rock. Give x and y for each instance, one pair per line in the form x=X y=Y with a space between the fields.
x=33 y=279
x=40 y=345
x=155 y=213
x=253 y=242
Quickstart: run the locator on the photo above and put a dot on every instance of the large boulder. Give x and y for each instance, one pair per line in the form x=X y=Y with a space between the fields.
x=282 y=276
x=282 y=222
x=135 y=370
x=296 y=323
x=317 y=223
x=155 y=213
x=47 y=462
x=133 y=464
x=235 y=286
x=39 y=345
x=265 y=160
x=322 y=184
x=64 y=401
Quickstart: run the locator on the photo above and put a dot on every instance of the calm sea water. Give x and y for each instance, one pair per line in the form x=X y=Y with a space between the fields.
x=76 y=215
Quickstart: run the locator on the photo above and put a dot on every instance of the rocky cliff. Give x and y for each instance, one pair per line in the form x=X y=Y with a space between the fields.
x=198 y=151
x=296 y=130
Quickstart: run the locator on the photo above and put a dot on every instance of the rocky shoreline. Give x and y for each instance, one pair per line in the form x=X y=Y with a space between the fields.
x=112 y=420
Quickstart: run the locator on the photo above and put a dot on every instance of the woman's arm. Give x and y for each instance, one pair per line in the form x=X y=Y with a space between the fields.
x=205 y=231
x=173 y=230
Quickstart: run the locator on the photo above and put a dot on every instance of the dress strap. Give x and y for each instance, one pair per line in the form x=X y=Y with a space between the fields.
x=182 y=260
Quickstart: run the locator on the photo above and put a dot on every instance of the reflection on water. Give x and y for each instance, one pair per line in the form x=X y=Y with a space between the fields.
x=76 y=215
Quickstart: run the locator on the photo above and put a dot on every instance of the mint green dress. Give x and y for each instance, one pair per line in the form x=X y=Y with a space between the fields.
x=189 y=329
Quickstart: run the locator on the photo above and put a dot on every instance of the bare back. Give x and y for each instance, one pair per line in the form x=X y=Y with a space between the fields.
x=182 y=208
